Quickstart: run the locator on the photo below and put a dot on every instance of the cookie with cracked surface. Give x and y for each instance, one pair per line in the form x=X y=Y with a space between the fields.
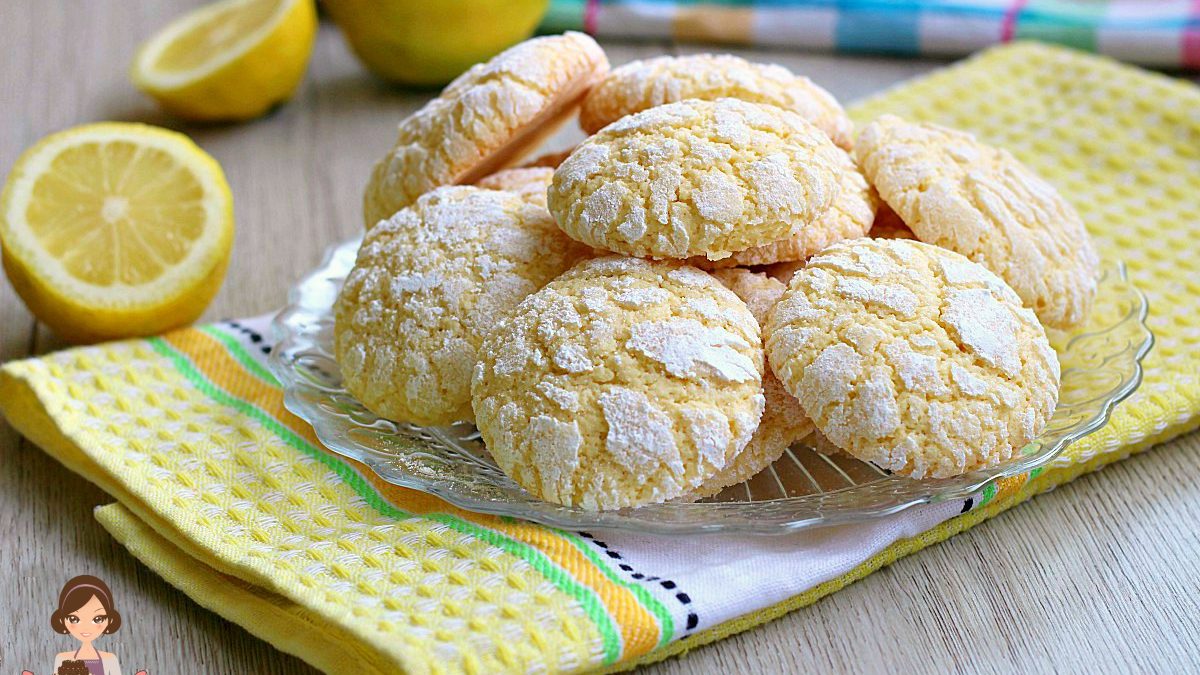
x=849 y=217
x=643 y=84
x=913 y=357
x=783 y=420
x=485 y=120
x=427 y=284
x=622 y=382
x=958 y=193
x=696 y=178
x=531 y=183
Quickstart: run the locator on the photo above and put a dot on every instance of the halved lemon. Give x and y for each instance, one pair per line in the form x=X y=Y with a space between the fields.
x=114 y=230
x=231 y=60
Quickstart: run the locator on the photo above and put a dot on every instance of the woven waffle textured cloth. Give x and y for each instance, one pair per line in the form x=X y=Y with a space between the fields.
x=232 y=499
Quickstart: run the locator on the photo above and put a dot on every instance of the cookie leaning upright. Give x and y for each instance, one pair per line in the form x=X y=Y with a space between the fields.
x=427 y=284
x=622 y=382
x=913 y=357
x=485 y=120
x=644 y=84
x=960 y=194
x=696 y=178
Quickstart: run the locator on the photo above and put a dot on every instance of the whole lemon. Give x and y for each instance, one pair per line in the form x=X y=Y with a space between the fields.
x=417 y=42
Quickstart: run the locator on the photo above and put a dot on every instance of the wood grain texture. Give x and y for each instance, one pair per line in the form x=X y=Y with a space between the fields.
x=1097 y=576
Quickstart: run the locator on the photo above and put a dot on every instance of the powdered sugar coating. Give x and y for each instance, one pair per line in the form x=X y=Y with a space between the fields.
x=960 y=194
x=687 y=348
x=672 y=395
x=531 y=183
x=697 y=178
x=783 y=421
x=956 y=377
x=486 y=117
x=639 y=85
x=849 y=217
x=427 y=284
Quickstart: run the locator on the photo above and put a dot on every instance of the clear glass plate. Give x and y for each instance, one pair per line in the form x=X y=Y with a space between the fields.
x=1101 y=366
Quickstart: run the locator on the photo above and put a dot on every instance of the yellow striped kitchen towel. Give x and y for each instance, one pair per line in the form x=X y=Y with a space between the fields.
x=233 y=500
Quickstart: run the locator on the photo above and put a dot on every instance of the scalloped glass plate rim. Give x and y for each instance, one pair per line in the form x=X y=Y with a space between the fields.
x=287 y=329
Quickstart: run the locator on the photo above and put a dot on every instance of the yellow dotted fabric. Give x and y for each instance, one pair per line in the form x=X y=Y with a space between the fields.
x=233 y=505
x=1123 y=145
x=421 y=595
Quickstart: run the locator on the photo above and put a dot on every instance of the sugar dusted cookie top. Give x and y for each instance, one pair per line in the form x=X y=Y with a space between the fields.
x=428 y=283
x=639 y=85
x=849 y=217
x=783 y=420
x=531 y=183
x=485 y=119
x=696 y=178
x=960 y=194
x=913 y=357
x=622 y=382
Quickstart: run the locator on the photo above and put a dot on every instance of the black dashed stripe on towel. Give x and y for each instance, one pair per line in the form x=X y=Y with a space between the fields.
x=684 y=599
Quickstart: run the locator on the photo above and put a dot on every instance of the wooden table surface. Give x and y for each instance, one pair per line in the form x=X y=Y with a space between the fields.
x=1099 y=575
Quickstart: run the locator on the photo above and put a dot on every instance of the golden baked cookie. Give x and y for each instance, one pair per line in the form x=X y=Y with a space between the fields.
x=913 y=357
x=849 y=217
x=888 y=225
x=531 y=183
x=427 y=285
x=963 y=195
x=783 y=420
x=639 y=85
x=622 y=382
x=485 y=120
x=692 y=178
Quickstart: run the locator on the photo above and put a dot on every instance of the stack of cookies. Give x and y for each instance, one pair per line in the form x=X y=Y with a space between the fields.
x=720 y=270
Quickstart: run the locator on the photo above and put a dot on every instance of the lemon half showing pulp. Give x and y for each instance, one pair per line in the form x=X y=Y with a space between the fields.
x=113 y=230
x=231 y=60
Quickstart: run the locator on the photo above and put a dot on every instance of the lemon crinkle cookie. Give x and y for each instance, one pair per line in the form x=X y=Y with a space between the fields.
x=427 y=285
x=913 y=357
x=622 y=382
x=849 y=216
x=960 y=194
x=531 y=183
x=485 y=119
x=644 y=84
x=783 y=420
x=696 y=178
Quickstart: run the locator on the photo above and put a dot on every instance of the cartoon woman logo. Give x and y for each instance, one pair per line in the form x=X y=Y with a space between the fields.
x=86 y=611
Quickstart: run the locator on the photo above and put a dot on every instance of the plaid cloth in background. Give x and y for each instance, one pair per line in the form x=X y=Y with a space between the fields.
x=1161 y=33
